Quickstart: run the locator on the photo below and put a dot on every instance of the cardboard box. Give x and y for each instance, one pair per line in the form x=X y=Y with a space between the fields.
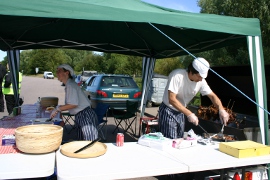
x=242 y=149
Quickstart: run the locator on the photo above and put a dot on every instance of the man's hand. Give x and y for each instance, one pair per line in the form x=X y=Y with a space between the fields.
x=55 y=111
x=224 y=116
x=193 y=119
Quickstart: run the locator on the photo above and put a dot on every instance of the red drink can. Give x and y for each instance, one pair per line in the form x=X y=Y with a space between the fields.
x=120 y=139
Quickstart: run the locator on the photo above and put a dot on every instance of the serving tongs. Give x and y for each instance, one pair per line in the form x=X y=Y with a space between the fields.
x=204 y=130
x=220 y=134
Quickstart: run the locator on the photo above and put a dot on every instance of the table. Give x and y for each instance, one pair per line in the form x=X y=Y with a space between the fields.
x=10 y=123
x=15 y=164
x=133 y=161
x=208 y=157
x=19 y=165
x=130 y=161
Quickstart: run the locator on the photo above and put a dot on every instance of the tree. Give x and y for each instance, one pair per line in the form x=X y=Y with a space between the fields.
x=74 y=57
x=134 y=64
x=165 y=66
x=47 y=59
x=24 y=61
x=241 y=8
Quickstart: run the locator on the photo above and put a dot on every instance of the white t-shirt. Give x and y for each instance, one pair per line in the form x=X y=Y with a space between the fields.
x=180 y=84
x=74 y=95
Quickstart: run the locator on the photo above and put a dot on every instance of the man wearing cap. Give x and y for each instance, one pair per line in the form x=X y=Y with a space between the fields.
x=77 y=103
x=182 y=86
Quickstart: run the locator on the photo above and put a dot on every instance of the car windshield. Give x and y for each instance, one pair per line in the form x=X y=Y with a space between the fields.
x=49 y=73
x=110 y=81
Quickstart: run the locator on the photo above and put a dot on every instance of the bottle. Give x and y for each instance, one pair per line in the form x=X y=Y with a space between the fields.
x=38 y=108
x=236 y=176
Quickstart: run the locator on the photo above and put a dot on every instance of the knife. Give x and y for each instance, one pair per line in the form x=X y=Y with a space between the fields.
x=49 y=120
x=88 y=145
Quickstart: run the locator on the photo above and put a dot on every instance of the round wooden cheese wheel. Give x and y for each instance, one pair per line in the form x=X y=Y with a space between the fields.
x=96 y=150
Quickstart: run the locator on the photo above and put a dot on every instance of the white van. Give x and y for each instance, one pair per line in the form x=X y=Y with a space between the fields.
x=48 y=75
x=156 y=90
x=86 y=74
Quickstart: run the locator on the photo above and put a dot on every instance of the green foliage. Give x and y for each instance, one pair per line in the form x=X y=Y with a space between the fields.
x=241 y=8
x=49 y=59
x=74 y=58
x=165 y=66
x=196 y=101
x=138 y=81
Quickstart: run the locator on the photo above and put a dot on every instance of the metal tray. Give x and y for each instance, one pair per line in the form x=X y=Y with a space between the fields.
x=214 y=137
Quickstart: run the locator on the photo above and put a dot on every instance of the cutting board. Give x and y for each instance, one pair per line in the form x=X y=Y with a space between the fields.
x=98 y=149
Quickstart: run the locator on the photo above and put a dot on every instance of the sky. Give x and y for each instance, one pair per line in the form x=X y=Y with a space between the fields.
x=183 y=5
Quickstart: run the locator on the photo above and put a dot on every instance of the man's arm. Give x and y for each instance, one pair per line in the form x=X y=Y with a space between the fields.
x=215 y=100
x=178 y=105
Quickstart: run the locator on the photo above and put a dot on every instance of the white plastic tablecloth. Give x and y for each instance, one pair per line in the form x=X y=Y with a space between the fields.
x=133 y=161
x=208 y=157
x=19 y=165
x=130 y=161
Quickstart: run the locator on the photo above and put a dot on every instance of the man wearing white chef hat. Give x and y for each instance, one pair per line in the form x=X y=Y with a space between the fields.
x=181 y=87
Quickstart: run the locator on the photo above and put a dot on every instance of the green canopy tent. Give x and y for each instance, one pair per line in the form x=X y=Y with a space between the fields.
x=128 y=27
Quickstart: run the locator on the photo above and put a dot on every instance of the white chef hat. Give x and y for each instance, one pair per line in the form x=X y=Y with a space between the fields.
x=202 y=66
x=67 y=67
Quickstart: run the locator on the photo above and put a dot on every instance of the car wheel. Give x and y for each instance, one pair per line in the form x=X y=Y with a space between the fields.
x=149 y=104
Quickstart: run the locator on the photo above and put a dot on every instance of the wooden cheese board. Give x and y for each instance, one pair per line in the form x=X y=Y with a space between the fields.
x=98 y=149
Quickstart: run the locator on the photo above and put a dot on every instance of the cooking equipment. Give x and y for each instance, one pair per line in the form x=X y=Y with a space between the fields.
x=203 y=129
x=216 y=137
x=36 y=139
x=87 y=146
x=220 y=134
x=214 y=128
x=46 y=121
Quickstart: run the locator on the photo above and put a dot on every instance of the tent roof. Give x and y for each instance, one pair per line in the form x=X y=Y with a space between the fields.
x=119 y=26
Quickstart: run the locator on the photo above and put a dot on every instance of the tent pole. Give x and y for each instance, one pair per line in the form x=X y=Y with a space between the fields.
x=258 y=74
x=13 y=64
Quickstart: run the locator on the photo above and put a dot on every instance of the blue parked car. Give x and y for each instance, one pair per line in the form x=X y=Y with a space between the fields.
x=111 y=89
